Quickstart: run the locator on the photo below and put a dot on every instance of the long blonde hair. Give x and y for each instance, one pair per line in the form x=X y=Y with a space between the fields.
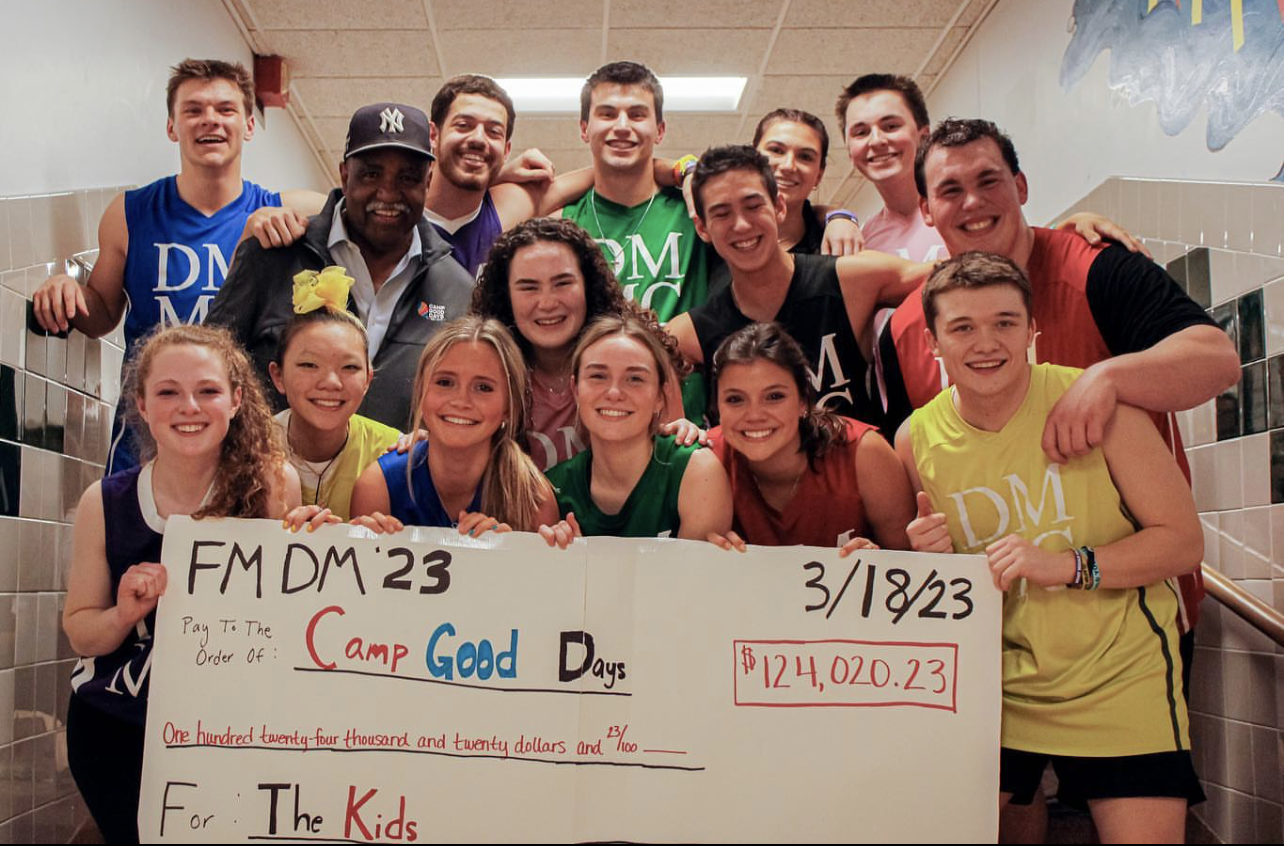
x=512 y=486
x=252 y=455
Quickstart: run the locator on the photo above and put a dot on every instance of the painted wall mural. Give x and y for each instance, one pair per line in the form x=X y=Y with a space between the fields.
x=1183 y=54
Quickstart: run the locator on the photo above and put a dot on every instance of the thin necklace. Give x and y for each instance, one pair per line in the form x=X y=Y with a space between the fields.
x=792 y=490
x=561 y=384
x=316 y=496
x=601 y=233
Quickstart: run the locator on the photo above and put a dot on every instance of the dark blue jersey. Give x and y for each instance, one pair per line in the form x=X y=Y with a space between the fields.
x=117 y=683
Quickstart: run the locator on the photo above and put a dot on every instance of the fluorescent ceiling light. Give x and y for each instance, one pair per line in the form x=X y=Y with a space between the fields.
x=681 y=93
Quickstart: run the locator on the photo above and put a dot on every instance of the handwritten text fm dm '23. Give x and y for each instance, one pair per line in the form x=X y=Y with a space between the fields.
x=447 y=655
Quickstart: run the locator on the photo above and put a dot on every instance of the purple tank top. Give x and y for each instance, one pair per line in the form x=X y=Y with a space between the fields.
x=471 y=243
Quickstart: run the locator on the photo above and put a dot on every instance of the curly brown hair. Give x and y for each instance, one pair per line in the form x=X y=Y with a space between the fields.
x=252 y=455
x=602 y=293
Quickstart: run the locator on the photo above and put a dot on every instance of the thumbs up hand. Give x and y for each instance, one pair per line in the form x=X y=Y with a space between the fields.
x=928 y=532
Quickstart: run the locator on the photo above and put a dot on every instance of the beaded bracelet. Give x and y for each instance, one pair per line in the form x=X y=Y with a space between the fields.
x=682 y=167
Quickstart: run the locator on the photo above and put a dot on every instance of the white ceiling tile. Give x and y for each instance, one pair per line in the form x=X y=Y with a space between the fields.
x=828 y=185
x=345 y=53
x=531 y=14
x=691 y=52
x=673 y=14
x=946 y=50
x=815 y=94
x=334 y=131
x=684 y=133
x=837 y=193
x=973 y=12
x=872 y=13
x=341 y=97
x=691 y=133
x=338 y=14
x=850 y=52
x=514 y=52
x=548 y=133
x=568 y=160
x=328 y=52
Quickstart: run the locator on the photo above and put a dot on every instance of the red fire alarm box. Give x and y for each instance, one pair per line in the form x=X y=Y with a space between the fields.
x=271 y=82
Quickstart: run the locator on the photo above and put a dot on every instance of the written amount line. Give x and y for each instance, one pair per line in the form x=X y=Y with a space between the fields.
x=442 y=754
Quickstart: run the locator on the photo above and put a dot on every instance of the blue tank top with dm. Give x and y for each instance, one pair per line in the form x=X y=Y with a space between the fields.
x=178 y=256
x=176 y=262
x=116 y=683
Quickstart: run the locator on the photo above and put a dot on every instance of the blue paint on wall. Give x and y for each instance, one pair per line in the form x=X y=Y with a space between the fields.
x=1159 y=56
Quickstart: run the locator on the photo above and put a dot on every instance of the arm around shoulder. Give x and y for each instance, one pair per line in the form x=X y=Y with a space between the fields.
x=683 y=330
x=870 y=280
x=1170 y=541
x=704 y=499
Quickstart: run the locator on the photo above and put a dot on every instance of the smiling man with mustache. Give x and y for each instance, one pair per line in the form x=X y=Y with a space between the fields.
x=407 y=285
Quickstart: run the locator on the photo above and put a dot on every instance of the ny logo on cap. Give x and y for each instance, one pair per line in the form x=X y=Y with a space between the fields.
x=390 y=120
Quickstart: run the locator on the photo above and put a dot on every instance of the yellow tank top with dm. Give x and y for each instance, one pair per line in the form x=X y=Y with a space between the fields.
x=1085 y=673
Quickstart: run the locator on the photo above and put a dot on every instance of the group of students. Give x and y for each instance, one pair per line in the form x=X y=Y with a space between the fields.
x=561 y=404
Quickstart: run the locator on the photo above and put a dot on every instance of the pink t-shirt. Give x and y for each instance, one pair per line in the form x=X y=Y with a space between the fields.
x=551 y=437
x=908 y=237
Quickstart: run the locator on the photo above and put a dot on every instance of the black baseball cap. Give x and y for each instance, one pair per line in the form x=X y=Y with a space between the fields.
x=388 y=125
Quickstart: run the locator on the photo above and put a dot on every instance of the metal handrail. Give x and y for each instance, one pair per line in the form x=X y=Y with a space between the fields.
x=1252 y=610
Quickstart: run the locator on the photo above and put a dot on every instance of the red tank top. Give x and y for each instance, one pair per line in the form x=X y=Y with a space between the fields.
x=826 y=510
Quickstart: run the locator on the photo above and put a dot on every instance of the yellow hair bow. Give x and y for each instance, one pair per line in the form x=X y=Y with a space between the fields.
x=329 y=288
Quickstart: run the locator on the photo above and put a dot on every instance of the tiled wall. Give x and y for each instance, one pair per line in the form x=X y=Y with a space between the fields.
x=56 y=400
x=1225 y=244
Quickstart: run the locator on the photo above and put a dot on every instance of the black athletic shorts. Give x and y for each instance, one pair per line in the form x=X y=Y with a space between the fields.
x=1170 y=774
